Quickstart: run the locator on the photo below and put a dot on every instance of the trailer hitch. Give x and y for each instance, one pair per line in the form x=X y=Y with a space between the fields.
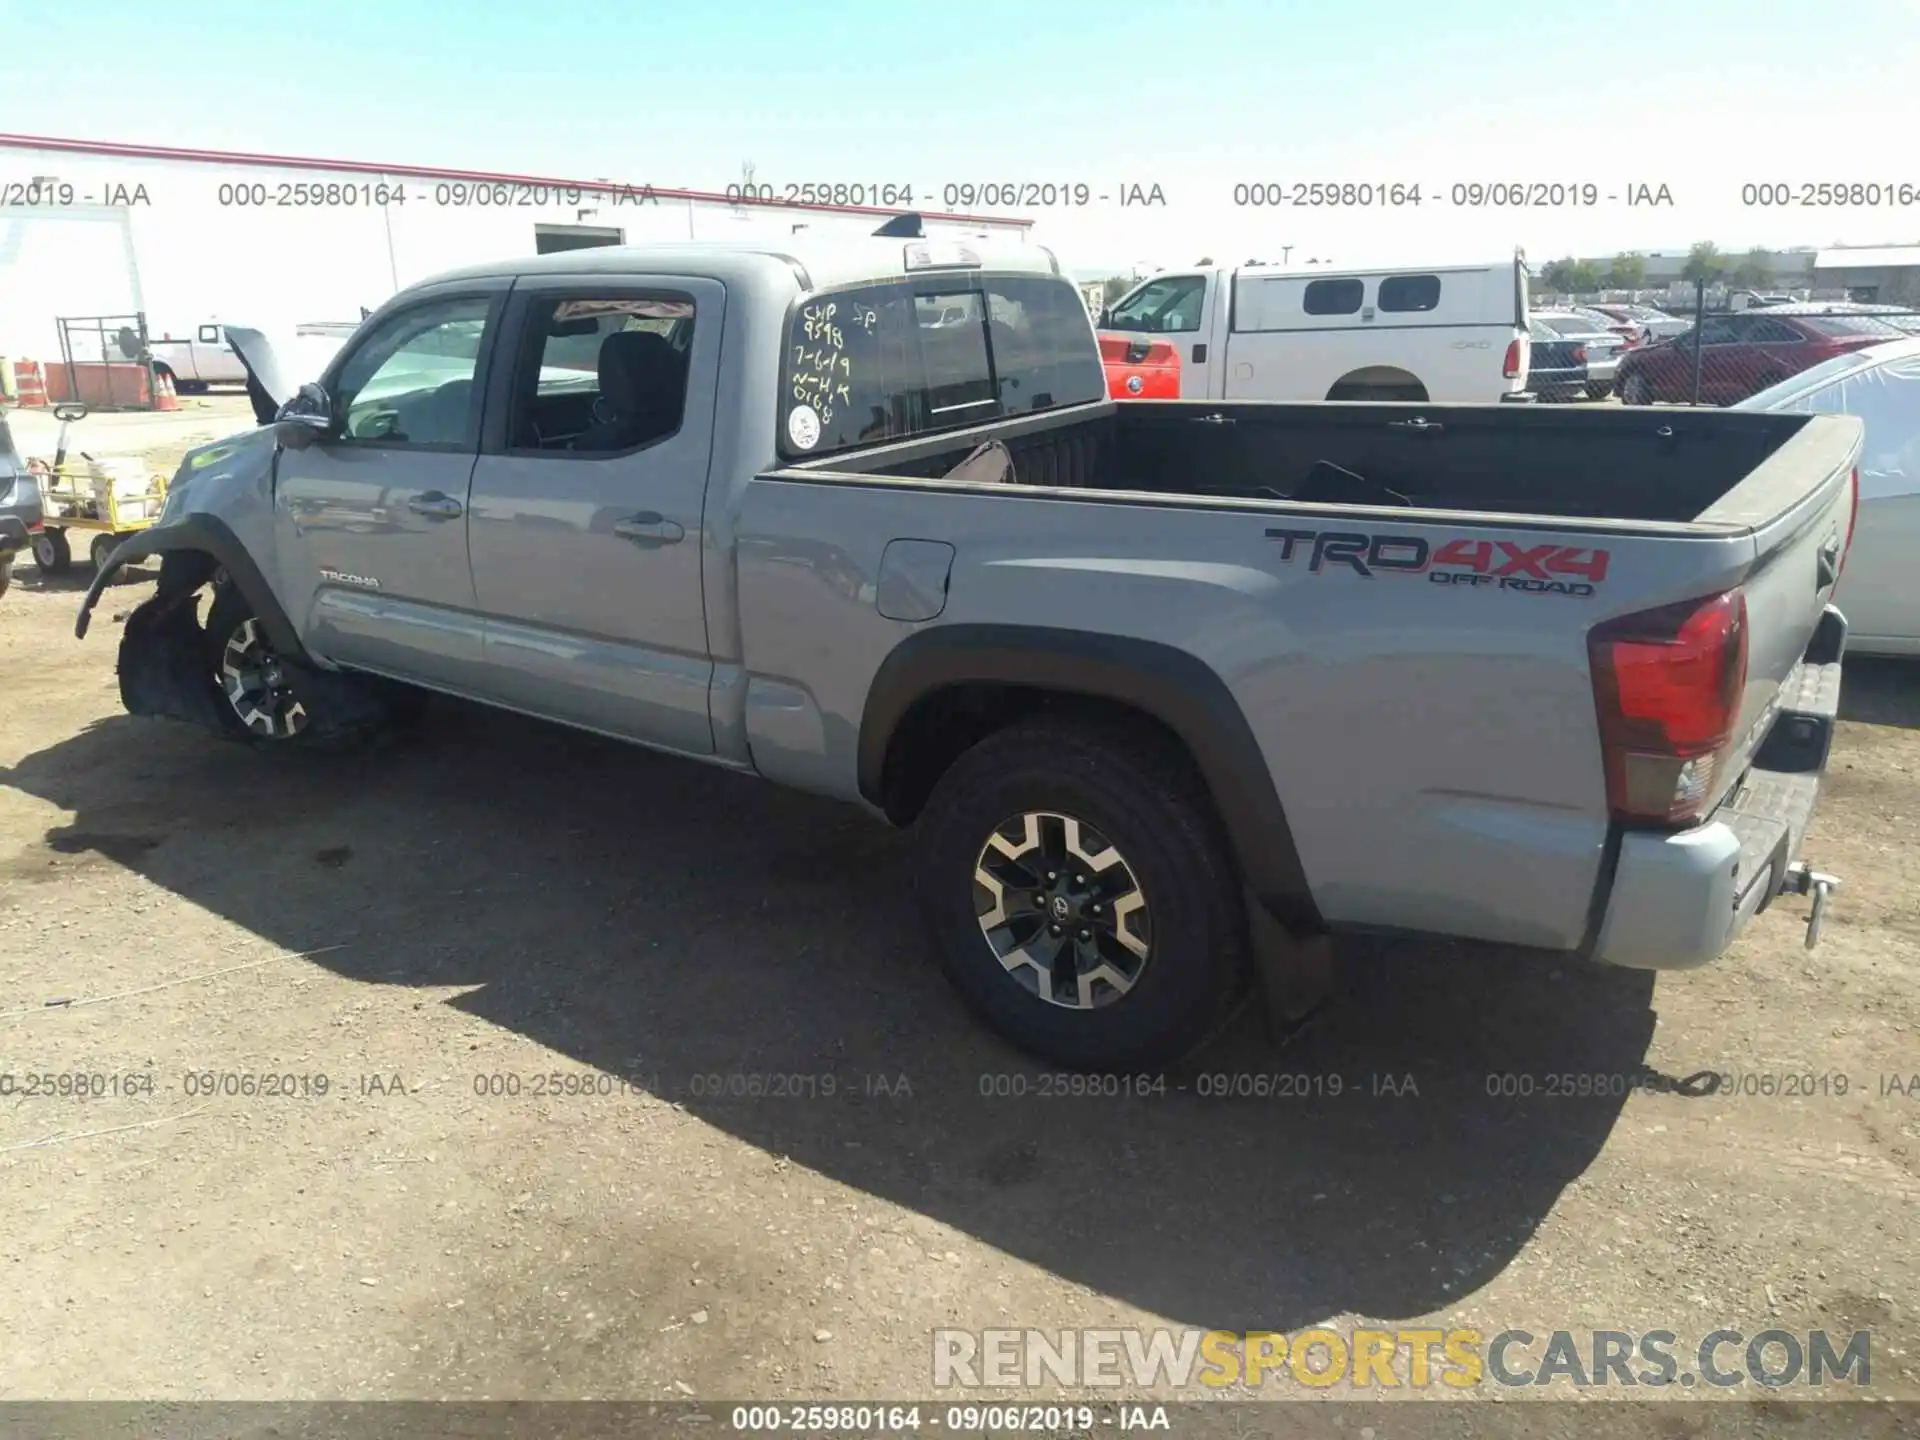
x=1802 y=879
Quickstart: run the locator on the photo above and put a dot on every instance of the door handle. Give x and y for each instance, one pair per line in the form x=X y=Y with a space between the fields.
x=436 y=506
x=649 y=527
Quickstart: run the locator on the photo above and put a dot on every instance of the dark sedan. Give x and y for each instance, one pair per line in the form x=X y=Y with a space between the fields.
x=19 y=504
x=1556 y=365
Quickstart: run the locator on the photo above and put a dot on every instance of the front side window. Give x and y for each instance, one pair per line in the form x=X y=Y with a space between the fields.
x=411 y=381
x=1848 y=327
x=910 y=357
x=1168 y=305
x=601 y=374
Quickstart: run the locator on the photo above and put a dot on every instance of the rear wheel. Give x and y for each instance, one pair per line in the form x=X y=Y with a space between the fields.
x=6 y=575
x=101 y=549
x=52 y=553
x=1600 y=390
x=1080 y=896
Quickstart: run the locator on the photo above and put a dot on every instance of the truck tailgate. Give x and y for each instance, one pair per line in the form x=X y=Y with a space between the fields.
x=1799 y=504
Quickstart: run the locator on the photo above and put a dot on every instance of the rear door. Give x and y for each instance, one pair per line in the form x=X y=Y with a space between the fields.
x=587 y=505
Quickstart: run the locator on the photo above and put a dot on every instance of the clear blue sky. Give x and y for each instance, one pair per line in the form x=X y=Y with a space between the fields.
x=1193 y=95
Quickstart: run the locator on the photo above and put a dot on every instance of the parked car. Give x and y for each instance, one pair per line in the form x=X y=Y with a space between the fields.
x=1654 y=324
x=1601 y=348
x=194 y=362
x=1161 y=686
x=1629 y=333
x=1741 y=355
x=1556 y=364
x=1258 y=332
x=20 y=509
x=1881 y=386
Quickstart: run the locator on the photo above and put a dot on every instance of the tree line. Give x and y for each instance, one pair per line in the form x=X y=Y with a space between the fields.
x=1628 y=271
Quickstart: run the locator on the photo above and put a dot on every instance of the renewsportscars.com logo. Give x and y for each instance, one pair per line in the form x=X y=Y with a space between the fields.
x=1407 y=1358
x=1529 y=569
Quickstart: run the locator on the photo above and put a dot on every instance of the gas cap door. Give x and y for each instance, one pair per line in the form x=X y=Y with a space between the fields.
x=913 y=579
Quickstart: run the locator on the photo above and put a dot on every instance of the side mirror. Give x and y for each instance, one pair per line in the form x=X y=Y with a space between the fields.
x=307 y=417
x=1106 y=317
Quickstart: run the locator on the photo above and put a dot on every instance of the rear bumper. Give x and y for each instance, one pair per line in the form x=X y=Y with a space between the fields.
x=1679 y=900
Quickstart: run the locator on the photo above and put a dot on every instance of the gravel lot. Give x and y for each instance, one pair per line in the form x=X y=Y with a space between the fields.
x=458 y=913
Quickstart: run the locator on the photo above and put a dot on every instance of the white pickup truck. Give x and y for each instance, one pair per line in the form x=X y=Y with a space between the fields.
x=1257 y=332
x=197 y=360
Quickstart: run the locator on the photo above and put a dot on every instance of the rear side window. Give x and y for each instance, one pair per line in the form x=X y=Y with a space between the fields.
x=909 y=357
x=1410 y=292
x=1332 y=297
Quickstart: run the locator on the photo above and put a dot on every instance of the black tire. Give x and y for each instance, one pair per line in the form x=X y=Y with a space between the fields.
x=104 y=544
x=1144 y=798
x=6 y=575
x=1635 y=390
x=1600 y=390
x=51 y=552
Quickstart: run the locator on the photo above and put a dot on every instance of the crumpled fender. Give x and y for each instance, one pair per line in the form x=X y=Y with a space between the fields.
x=199 y=531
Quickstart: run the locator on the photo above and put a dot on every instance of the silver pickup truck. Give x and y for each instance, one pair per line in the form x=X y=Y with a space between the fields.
x=1175 y=693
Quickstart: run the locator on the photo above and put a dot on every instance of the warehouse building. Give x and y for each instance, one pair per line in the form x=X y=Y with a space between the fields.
x=1886 y=274
x=93 y=231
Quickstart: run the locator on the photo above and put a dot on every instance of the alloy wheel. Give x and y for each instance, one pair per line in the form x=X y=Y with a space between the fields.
x=1062 y=910
x=257 y=685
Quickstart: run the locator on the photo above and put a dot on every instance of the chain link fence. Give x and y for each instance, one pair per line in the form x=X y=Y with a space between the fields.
x=1641 y=356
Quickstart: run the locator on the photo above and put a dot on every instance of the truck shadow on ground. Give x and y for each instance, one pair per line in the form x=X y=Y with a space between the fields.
x=666 y=921
x=1875 y=690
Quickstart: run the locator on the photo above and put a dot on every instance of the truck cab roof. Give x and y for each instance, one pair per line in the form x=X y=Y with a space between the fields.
x=817 y=263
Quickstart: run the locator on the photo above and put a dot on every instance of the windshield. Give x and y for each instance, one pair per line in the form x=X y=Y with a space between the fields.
x=909 y=357
x=1848 y=326
x=1568 y=324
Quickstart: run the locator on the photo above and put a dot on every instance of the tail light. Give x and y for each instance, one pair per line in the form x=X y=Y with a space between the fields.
x=1510 y=367
x=1579 y=354
x=1667 y=685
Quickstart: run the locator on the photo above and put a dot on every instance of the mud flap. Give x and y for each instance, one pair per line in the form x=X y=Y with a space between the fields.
x=1293 y=976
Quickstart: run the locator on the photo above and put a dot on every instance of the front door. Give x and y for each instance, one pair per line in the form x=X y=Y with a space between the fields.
x=586 y=522
x=373 y=531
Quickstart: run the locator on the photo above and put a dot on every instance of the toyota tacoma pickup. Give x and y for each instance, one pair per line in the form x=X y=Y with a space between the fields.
x=1174 y=693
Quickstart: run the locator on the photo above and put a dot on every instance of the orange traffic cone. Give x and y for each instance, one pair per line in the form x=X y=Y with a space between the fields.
x=164 y=397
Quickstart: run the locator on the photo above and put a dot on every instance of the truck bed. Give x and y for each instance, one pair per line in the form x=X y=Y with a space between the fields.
x=1670 y=466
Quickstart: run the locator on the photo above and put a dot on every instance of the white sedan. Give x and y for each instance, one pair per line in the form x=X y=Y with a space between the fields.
x=1880 y=588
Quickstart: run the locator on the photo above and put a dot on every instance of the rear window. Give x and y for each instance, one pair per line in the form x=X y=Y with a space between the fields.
x=1410 y=292
x=1838 y=326
x=1567 y=324
x=910 y=357
x=1332 y=297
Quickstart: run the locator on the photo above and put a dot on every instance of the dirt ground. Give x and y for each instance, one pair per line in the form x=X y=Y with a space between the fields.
x=425 y=929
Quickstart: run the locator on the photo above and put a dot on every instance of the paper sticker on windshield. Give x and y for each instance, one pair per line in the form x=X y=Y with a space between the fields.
x=803 y=427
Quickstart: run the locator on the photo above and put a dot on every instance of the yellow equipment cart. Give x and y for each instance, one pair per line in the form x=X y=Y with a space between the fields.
x=107 y=500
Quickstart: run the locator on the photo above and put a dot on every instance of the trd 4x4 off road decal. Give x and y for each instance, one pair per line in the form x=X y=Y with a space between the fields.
x=1531 y=569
